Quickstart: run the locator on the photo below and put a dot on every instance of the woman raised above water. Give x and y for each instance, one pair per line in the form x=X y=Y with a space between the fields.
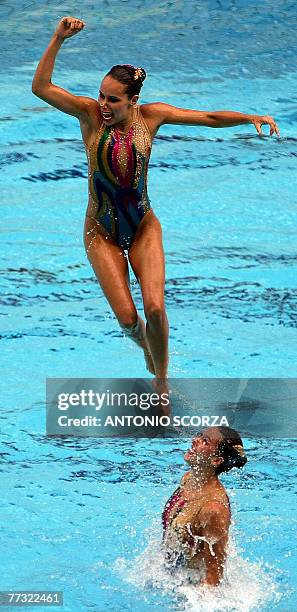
x=197 y=516
x=118 y=134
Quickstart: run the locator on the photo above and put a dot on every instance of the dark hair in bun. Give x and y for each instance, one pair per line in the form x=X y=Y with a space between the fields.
x=130 y=76
x=231 y=449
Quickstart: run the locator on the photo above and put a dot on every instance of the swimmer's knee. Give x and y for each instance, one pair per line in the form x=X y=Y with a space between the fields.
x=128 y=324
x=155 y=315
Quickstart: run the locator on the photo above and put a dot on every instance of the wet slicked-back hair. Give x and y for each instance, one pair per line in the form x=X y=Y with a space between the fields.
x=231 y=449
x=130 y=76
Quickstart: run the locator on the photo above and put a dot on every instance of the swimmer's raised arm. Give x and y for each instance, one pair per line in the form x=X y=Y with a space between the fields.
x=42 y=85
x=159 y=114
x=215 y=521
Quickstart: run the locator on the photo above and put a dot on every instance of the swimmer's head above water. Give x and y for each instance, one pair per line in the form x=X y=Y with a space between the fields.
x=200 y=507
x=217 y=450
x=119 y=92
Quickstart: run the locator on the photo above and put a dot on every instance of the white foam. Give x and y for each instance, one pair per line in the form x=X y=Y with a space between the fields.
x=247 y=586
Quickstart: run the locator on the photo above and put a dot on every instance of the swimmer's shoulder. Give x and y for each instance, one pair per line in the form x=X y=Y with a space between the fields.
x=215 y=512
x=92 y=112
x=90 y=121
x=152 y=116
x=185 y=478
x=153 y=109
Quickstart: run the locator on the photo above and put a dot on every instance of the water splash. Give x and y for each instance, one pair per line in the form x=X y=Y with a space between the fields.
x=198 y=539
x=247 y=586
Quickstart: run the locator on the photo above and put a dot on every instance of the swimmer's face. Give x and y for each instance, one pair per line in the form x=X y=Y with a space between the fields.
x=115 y=105
x=204 y=448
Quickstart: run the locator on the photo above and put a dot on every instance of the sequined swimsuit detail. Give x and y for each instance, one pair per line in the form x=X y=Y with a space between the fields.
x=118 y=167
x=175 y=558
x=175 y=502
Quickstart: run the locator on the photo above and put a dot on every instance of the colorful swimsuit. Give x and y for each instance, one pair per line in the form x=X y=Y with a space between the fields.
x=176 y=503
x=118 y=167
x=174 y=556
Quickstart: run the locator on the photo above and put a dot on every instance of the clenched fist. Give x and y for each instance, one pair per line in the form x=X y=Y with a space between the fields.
x=69 y=26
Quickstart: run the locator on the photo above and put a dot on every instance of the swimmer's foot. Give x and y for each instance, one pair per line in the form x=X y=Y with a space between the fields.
x=145 y=347
x=149 y=361
x=161 y=387
x=137 y=333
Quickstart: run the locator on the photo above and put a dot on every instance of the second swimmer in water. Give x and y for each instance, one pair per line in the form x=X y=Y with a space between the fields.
x=197 y=516
x=118 y=135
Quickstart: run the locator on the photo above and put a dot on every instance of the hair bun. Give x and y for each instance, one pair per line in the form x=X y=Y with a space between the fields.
x=239 y=448
x=230 y=448
x=139 y=73
x=235 y=461
x=237 y=458
x=130 y=76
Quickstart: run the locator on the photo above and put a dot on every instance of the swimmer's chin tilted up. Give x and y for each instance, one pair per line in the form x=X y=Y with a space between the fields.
x=118 y=134
x=197 y=516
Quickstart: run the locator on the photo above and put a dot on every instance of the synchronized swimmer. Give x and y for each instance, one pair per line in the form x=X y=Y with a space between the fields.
x=196 y=518
x=118 y=134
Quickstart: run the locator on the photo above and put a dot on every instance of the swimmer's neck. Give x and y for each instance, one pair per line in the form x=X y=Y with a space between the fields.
x=124 y=125
x=199 y=480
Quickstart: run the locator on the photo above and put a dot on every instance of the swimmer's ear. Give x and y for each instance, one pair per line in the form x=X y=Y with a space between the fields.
x=134 y=99
x=216 y=461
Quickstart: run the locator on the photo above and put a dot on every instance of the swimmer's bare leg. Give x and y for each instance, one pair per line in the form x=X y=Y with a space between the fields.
x=157 y=335
x=137 y=333
x=146 y=257
x=111 y=268
x=141 y=334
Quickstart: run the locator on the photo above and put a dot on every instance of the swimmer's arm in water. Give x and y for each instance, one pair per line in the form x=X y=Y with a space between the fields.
x=42 y=86
x=214 y=521
x=159 y=114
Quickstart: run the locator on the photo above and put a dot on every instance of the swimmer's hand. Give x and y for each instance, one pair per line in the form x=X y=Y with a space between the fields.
x=259 y=120
x=69 y=26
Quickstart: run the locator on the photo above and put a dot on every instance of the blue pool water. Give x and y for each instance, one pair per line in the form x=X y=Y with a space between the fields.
x=83 y=516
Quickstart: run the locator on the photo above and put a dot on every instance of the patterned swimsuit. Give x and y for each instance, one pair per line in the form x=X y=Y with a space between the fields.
x=175 y=557
x=118 y=167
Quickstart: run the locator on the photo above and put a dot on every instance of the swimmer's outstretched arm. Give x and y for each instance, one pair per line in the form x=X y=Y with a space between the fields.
x=214 y=520
x=159 y=114
x=42 y=86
